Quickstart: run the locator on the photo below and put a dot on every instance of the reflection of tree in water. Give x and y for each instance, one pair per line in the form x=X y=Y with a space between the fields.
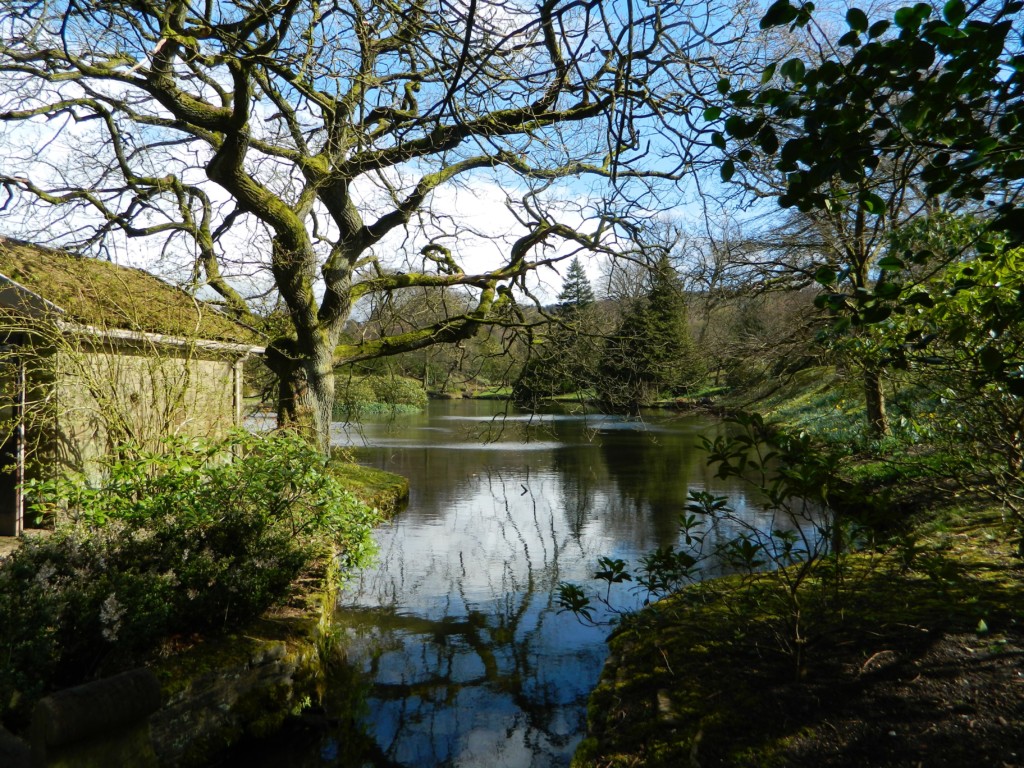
x=652 y=468
x=482 y=680
x=457 y=628
x=653 y=472
x=582 y=473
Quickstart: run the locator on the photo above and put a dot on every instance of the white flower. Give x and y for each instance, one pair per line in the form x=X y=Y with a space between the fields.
x=111 y=613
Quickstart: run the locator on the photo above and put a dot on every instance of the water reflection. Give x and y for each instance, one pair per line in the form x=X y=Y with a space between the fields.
x=471 y=664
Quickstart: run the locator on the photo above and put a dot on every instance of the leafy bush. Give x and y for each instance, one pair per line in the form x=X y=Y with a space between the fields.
x=398 y=390
x=206 y=535
x=375 y=394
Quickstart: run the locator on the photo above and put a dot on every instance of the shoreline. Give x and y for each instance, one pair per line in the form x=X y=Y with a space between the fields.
x=901 y=664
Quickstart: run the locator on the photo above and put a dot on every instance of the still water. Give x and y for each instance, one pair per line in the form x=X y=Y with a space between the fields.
x=456 y=628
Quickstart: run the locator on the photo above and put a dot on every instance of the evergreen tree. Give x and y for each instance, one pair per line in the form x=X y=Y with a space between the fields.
x=653 y=353
x=576 y=295
x=564 y=361
x=669 y=351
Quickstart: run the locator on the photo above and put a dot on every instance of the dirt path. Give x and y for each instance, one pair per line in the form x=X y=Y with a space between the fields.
x=960 y=703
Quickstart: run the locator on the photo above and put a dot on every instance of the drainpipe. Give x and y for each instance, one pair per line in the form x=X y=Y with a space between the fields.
x=19 y=437
x=237 y=382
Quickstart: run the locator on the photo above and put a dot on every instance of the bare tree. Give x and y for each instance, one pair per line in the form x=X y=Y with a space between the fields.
x=310 y=133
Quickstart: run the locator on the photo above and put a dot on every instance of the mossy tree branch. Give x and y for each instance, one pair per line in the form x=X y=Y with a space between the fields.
x=294 y=110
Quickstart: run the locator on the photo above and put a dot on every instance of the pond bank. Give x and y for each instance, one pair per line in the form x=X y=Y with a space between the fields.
x=911 y=657
x=202 y=694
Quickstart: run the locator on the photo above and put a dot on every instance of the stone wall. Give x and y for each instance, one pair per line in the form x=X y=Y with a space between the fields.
x=103 y=397
x=180 y=712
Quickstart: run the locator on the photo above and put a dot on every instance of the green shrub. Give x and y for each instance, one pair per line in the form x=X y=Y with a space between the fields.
x=355 y=396
x=204 y=536
x=398 y=390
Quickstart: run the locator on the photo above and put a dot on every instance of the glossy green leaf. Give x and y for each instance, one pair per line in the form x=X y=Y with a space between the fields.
x=857 y=19
x=734 y=125
x=872 y=203
x=920 y=298
x=954 y=12
x=891 y=263
x=768 y=140
x=825 y=276
x=875 y=313
x=850 y=39
x=793 y=70
x=878 y=28
x=904 y=17
x=779 y=12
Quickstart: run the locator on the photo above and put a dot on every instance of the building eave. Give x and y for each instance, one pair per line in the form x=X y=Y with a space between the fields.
x=34 y=306
x=177 y=342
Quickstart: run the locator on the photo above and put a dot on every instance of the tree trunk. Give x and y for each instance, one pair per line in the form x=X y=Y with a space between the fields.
x=305 y=389
x=319 y=401
x=874 y=399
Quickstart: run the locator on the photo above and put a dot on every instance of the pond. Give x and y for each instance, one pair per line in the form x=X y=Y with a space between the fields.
x=466 y=658
x=457 y=628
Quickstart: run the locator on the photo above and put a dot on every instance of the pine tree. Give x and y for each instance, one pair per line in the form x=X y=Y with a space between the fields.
x=576 y=295
x=653 y=352
x=565 y=361
x=670 y=352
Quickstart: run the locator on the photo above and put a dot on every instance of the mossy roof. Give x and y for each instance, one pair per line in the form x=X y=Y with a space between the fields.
x=102 y=294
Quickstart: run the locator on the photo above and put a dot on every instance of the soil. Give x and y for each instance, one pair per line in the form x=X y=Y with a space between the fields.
x=919 y=665
x=957 y=702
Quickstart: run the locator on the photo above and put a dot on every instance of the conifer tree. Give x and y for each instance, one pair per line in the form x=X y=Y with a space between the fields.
x=576 y=295
x=653 y=353
x=564 y=362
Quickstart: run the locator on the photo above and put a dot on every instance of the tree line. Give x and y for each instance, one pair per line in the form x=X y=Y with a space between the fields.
x=301 y=147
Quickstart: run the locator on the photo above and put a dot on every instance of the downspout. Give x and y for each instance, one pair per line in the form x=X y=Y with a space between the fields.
x=20 y=448
x=237 y=388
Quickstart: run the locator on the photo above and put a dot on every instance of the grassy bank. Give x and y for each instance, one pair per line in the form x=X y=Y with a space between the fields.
x=903 y=652
x=908 y=656
x=384 y=490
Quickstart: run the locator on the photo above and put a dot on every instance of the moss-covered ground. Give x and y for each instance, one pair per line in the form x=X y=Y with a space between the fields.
x=908 y=657
x=384 y=490
x=909 y=652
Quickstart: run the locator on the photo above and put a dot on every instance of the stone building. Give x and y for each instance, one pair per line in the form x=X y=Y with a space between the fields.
x=95 y=357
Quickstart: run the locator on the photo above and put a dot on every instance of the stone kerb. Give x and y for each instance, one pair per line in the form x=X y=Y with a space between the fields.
x=107 y=717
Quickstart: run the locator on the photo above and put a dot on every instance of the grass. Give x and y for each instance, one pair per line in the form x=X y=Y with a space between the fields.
x=820 y=401
x=384 y=490
x=493 y=393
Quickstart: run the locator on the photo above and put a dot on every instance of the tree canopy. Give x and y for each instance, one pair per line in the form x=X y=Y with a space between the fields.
x=652 y=353
x=948 y=90
x=884 y=122
x=303 y=135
